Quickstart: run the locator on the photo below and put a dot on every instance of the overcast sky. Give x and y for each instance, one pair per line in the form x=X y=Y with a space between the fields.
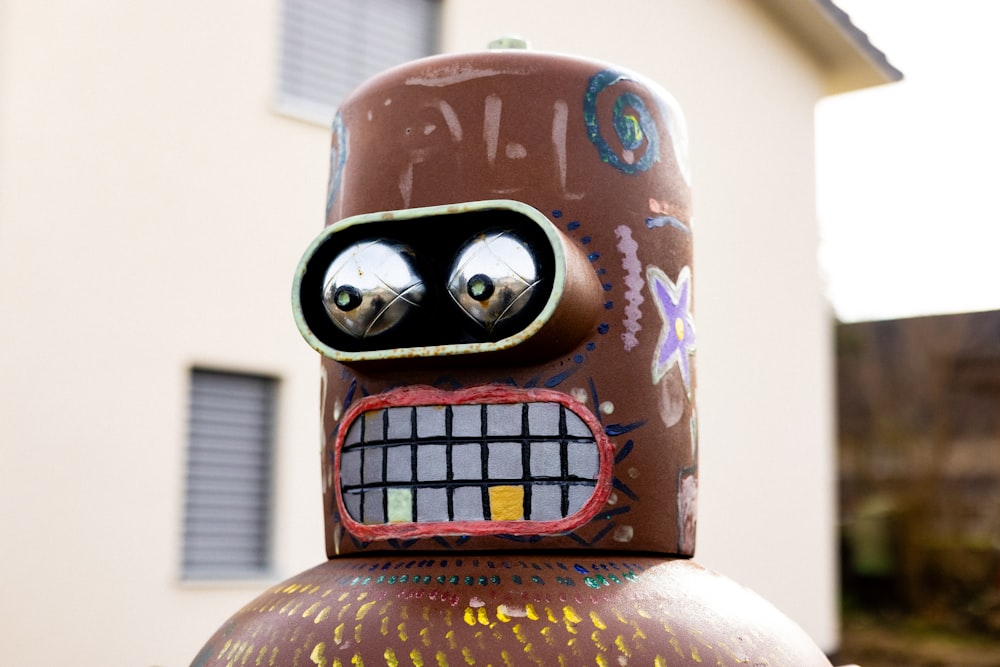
x=908 y=173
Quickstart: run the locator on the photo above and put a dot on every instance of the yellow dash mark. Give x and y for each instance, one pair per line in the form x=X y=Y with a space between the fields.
x=643 y=613
x=309 y=612
x=470 y=616
x=519 y=633
x=506 y=658
x=321 y=616
x=401 y=628
x=363 y=609
x=546 y=632
x=260 y=656
x=659 y=661
x=357 y=633
x=639 y=634
x=442 y=659
x=343 y=610
x=274 y=657
x=552 y=617
x=357 y=661
x=467 y=654
x=529 y=609
x=618 y=615
x=694 y=654
x=385 y=626
x=326 y=592
x=622 y=648
x=501 y=616
x=506 y=503
x=596 y=620
x=677 y=646
x=390 y=658
x=317 y=655
x=337 y=663
x=601 y=661
x=450 y=636
x=224 y=648
x=571 y=619
x=562 y=661
x=417 y=658
x=338 y=634
x=343 y=596
x=483 y=618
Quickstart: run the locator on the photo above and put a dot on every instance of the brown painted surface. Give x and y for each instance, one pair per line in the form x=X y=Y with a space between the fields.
x=478 y=609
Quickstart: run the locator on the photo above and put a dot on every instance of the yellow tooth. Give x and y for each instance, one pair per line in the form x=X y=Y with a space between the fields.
x=506 y=503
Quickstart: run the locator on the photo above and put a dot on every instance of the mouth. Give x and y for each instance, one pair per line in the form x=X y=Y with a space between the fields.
x=417 y=462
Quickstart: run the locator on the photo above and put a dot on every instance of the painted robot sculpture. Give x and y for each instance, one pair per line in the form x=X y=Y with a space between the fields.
x=503 y=300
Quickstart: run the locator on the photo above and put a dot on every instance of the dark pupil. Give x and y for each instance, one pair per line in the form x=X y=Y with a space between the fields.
x=480 y=287
x=347 y=298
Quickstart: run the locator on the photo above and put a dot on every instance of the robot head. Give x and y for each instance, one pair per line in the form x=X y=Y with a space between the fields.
x=502 y=297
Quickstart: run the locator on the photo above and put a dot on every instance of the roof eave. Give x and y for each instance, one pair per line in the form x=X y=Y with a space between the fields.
x=843 y=51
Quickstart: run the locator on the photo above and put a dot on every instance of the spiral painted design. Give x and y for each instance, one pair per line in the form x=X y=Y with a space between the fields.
x=338 y=157
x=634 y=125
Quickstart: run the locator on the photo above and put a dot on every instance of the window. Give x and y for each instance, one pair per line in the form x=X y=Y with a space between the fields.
x=328 y=47
x=226 y=513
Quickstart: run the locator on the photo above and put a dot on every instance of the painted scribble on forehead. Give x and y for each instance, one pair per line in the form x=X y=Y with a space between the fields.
x=633 y=125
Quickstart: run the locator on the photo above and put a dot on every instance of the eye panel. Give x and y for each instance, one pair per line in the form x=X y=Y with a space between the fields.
x=473 y=278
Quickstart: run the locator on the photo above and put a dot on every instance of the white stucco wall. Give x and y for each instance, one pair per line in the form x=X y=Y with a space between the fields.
x=153 y=206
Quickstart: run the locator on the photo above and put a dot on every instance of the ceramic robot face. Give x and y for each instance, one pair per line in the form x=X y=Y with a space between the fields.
x=503 y=299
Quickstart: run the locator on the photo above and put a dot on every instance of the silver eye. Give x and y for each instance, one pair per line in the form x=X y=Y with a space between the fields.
x=493 y=277
x=371 y=286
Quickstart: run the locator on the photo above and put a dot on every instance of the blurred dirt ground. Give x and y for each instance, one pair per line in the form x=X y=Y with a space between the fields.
x=874 y=642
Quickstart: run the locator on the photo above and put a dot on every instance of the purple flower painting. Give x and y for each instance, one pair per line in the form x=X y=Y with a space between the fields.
x=677 y=337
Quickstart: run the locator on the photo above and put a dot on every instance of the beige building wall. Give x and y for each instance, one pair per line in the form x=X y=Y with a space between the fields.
x=153 y=205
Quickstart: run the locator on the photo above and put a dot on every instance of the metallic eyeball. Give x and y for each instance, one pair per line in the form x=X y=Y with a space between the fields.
x=371 y=286
x=493 y=277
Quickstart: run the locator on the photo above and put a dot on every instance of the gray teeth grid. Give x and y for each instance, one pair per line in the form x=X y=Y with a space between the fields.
x=440 y=461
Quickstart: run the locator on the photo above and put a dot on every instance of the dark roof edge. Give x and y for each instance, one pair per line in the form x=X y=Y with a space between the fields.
x=844 y=53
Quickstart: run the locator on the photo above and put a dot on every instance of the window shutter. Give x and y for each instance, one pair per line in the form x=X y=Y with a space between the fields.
x=331 y=46
x=226 y=519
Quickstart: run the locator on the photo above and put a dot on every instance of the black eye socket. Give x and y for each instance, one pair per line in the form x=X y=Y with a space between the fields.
x=493 y=278
x=371 y=287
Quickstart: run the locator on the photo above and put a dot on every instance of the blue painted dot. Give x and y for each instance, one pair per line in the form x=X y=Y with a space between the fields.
x=535 y=579
x=601 y=271
x=607 y=287
x=578 y=358
x=594 y=256
x=608 y=305
x=603 y=328
x=591 y=346
x=585 y=240
x=573 y=226
x=494 y=580
x=482 y=580
x=556 y=214
x=468 y=581
x=516 y=578
x=579 y=568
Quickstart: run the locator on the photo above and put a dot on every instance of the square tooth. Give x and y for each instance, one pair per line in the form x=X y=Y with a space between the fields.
x=578 y=495
x=352 y=503
x=398 y=464
x=400 y=425
x=544 y=460
x=350 y=467
x=543 y=418
x=546 y=502
x=504 y=419
x=430 y=421
x=353 y=436
x=374 y=428
x=432 y=504
x=372 y=506
x=576 y=427
x=583 y=460
x=505 y=461
x=466 y=461
x=468 y=503
x=399 y=505
x=466 y=421
x=432 y=463
x=373 y=465
x=506 y=503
